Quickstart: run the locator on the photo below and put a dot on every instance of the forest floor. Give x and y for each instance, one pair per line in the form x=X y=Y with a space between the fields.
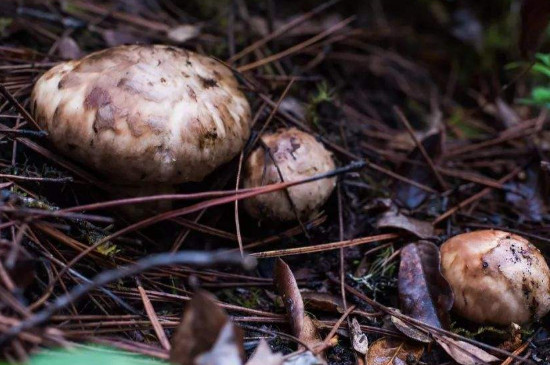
x=428 y=108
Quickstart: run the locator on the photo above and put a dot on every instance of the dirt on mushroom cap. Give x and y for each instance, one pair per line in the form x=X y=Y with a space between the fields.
x=296 y=155
x=144 y=113
x=497 y=277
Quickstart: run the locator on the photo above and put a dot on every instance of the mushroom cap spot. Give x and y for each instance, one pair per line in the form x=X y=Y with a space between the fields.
x=497 y=277
x=144 y=113
x=298 y=155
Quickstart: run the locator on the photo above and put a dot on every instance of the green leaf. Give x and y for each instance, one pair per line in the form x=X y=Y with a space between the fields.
x=544 y=58
x=542 y=69
x=541 y=95
x=91 y=355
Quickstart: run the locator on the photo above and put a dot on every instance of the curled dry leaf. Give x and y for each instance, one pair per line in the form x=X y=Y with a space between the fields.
x=359 y=341
x=322 y=302
x=416 y=168
x=292 y=299
x=464 y=353
x=424 y=293
x=394 y=219
x=378 y=205
x=386 y=351
x=535 y=15
x=205 y=327
x=302 y=326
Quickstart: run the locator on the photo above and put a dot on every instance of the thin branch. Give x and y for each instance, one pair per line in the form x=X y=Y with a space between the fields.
x=165 y=259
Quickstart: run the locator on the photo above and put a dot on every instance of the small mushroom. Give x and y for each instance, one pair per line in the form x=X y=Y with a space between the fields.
x=148 y=115
x=497 y=277
x=293 y=155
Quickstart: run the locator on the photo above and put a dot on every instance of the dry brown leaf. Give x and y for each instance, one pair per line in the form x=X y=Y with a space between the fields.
x=464 y=353
x=359 y=340
x=200 y=328
x=394 y=219
x=309 y=335
x=424 y=293
x=322 y=302
x=302 y=326
x=289 y=292
x=389 y=351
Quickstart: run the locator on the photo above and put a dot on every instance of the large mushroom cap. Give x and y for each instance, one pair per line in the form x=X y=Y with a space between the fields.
x=497 y=277
x=144 y=113
x=296 y=155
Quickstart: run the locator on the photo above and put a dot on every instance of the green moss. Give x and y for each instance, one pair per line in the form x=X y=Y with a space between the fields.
x=381 y=274
x=480 y=331
x=92 y=234
x=251 y=298
x=323 y=94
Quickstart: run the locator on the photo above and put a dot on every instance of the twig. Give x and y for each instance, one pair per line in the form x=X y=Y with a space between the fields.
x=38 y=179
x=31 y=214
x=335 y=328
x=420 y=147
x=476 y=196
x=426 y=327
x=297 y=47
x=283 y=29
x=24 y=132
x=326 y=246
x=159 y=331
x=147 y=263
x=18 y=106
x=237 y=221
x=200 y=206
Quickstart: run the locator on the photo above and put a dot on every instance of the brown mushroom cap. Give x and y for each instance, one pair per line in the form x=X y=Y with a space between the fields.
x=497 y=277
x=298 y=155
x=144 y=113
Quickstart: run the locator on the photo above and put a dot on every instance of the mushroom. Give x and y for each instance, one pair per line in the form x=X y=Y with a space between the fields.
x=146 y=116
x=288 y=155
x=497 y=277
